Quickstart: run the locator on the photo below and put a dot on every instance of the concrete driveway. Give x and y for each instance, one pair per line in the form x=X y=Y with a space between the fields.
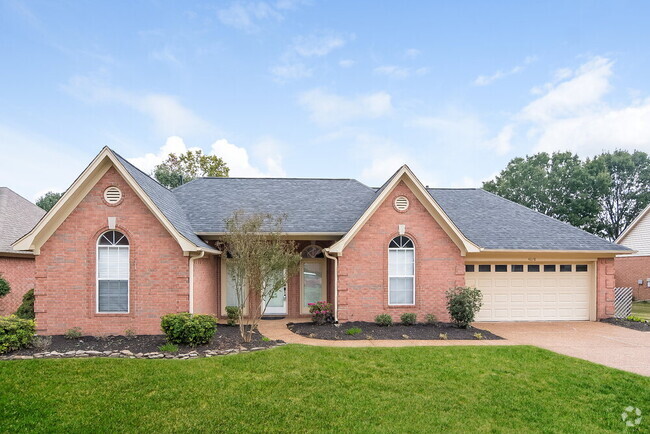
x=597 y=342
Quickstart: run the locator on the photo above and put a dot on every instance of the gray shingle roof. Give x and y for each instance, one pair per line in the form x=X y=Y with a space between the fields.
x=310 y=205
x=493 y=222
x=17 y=217
x=166 y=202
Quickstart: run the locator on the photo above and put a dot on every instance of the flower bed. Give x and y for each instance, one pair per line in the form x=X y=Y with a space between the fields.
x=395 y=332
x=643 y=326
x=226 y=341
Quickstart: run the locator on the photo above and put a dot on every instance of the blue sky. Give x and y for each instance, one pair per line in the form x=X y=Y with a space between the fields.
x=318 y=89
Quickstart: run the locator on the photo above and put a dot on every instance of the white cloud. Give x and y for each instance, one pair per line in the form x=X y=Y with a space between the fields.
x=318 y=44
x=291 y=71
x=169 y=116
x=346 y=63
x=236 y=157
x=400 y=71
x=412 y=53
x=165 y=55
x=246 y=15
x=484 y=80
x=328 y=108
x=572 y=113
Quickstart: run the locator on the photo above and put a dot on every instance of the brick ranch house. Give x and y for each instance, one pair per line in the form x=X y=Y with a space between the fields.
x=119 y=250
x=634 y=270
x=17 y=216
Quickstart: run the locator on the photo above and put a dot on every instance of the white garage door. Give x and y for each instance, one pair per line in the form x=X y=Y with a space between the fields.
x=532 y=292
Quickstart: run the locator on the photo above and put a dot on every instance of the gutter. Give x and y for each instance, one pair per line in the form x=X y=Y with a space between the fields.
x=192 y=259
x=336 y=283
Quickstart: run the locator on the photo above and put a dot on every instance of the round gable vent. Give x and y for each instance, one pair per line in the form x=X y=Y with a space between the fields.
x=401 y=203
x=112 y=195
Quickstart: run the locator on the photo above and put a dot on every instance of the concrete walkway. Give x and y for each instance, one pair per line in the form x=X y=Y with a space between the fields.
x=597 y=342
x=606 y=344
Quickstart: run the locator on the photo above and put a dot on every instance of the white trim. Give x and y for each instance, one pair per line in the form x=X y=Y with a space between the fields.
x=638 y=218
x=128 y=278
x=192 y=259
x=408 y=275
x=405 y=174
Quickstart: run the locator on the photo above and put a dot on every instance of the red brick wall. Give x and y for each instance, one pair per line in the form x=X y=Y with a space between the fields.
x=363 y=268
x=66 y=268
x=629 y=269
x=19 y=272
x=206 y=278
x=605 y=288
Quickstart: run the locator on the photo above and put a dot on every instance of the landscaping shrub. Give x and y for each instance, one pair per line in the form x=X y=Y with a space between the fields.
x=73 y=333
x=15 y=333
x=321 y=312
x=5 y=288
x=129 y=334
x=431 y=318
x=233 y=313
x=185 y=328
x=635 y=318
x=408 y=319
x=384 y=320
x=41 y=342
x=463 y=303
x=353 y=331
x=168 y=348
x=443 y=336
x=26 y=308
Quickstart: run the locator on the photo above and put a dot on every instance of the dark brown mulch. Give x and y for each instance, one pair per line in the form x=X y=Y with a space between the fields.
x=371 y=330
x=634 y=325
x=226 y=338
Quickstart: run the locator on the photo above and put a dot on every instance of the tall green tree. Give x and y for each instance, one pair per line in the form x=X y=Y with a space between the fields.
x=558 y=185
x=179 y=169
x=48 y=200
x=627 y=176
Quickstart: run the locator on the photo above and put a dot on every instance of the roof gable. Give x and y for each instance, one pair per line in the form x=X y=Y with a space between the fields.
x=144 y=187
x=404 y=174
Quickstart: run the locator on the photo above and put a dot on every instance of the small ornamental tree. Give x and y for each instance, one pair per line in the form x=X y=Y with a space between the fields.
x=5 y=288
x=260 y=263
x=463 y=303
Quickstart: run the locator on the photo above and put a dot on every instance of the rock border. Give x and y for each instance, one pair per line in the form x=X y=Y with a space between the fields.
x=126 y=354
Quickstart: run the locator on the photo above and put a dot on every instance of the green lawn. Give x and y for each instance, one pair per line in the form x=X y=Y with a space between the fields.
x=641 y=309
x=299 y=388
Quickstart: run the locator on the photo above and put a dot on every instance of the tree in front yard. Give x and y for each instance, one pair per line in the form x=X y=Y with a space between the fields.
x=260 y=262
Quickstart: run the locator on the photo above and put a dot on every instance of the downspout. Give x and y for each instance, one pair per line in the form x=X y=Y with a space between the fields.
x=192 y=259
x=336 y=284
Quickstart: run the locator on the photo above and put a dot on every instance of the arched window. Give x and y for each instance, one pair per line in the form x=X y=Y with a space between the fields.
x=112 y=273
x=401 y=271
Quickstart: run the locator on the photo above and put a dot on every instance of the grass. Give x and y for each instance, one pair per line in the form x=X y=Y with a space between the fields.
x=300 y=388
x=641 y=309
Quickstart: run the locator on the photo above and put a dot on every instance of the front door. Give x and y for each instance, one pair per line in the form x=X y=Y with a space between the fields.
x=313 y=282
x=277 y=304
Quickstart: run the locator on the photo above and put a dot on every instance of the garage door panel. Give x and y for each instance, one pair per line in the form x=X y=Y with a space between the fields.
x=533 y=296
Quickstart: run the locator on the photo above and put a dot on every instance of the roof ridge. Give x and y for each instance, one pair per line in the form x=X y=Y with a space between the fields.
x=137 y=168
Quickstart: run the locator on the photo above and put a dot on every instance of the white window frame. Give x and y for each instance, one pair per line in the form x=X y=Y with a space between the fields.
x=128 y=276
x=409 y=275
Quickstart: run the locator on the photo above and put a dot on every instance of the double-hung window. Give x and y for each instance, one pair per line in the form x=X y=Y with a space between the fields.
x=112 y=273
x=401 y=271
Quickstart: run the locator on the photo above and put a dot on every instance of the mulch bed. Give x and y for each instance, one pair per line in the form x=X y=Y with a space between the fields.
x=226 y=338
x=634 y=325
x=371 y=330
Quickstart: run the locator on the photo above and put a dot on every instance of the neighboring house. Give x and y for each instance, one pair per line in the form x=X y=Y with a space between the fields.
x=119 y=250
x=17 y=217
x=634 y=270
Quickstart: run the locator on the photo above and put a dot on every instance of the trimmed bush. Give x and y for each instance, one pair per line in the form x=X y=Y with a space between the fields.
x=233 y=313
x=15 y=333
x=321 y=312
x=26 y=308
x=185 y=328
x=431 y=319
x=73 y=333
x=408 y=319
x=463 y=303
x=5 y=288
x=383 y=320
